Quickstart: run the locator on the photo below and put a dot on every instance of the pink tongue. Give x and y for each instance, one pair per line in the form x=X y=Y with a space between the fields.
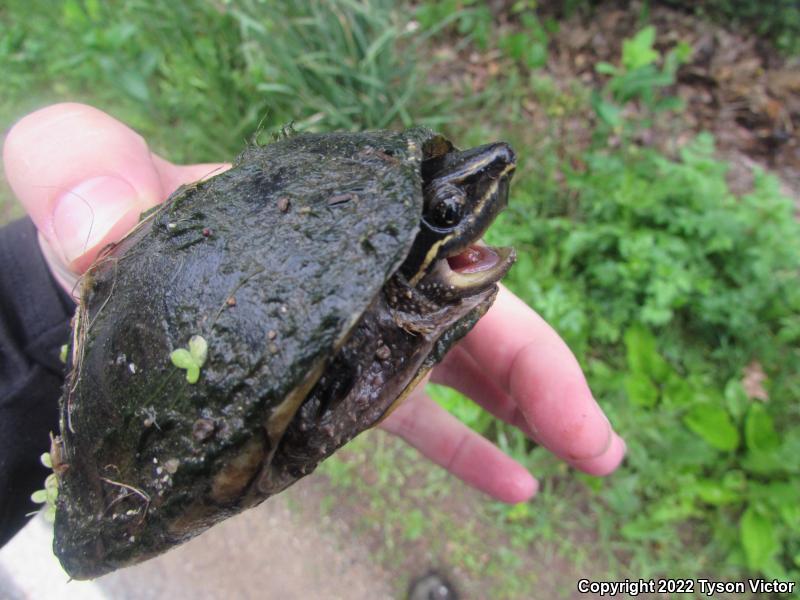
x=473 y=259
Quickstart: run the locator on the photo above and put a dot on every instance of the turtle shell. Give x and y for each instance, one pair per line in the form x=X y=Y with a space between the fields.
x=269 y=265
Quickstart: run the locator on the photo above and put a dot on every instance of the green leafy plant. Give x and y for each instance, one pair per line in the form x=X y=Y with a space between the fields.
x=49 y=494
x=639 y=78
x=471 y=19
x=777 y=22
x=528 y=46
x=192 y=358
x=670 y=287
x=338 y=62
x=213 y=71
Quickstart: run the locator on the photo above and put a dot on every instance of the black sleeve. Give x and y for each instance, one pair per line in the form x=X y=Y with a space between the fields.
x=34 y=324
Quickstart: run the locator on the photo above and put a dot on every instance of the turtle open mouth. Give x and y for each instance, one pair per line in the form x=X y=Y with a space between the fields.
x=471 y=271
x=478 y=257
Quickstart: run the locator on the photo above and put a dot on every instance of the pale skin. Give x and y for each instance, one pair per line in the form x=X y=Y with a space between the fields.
x=84 y=178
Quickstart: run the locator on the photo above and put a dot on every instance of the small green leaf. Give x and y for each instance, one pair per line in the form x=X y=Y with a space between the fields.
x=46 y=461
x=678 y=56
x=670 y=103
x=415 y=523
x=638 y=51
x=735 y=481
x=191 y=359
x=764 y=463
x=135 y=84
x=757 y=534
x=790 y=513
x=182 y=359
x=62 y=356
x=678 y=392
x=536 y=56
x=593 y=483
x=608 y=112
x=39 y=496
x=605 y=68
x=49 y=513
x=192 y=373
x=643 y=355
x=518 y=512
x=671 y=509
x=198 y=348
x=714 y=425
x=715 y=493
x=514 y=45
x=736 y=399
x=683 y=51
x=759 y=431
x=641 y=390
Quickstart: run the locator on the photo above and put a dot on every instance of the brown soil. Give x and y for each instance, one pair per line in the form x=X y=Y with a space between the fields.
x=273 y=551
x=736 y=85
x=460 y=539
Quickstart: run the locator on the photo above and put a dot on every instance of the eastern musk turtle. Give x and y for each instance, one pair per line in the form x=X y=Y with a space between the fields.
x=257 y=321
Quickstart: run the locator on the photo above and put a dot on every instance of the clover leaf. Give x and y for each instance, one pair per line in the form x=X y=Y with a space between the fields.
x=191 y=359
x=49 y=494
x=46 y=460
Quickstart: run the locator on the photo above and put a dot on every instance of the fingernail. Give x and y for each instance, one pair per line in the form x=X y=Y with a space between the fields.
x=606 y=462
x=83 y=216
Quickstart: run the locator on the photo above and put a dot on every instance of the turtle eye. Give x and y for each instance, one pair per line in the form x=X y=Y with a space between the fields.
x=447 y=212
x=446 y=208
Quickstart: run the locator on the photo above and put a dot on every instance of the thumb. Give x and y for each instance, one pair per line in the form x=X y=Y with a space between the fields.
x=84 y=178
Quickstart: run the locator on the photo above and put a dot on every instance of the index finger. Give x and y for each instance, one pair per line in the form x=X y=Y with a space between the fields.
x=521 y=353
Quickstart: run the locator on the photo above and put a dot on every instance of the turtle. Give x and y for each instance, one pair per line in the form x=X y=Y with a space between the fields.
x=258 y=320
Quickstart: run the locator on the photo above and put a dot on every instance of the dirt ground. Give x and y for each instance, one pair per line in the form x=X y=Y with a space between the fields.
x=272 y=551
x=292 y=547
x=735 y=85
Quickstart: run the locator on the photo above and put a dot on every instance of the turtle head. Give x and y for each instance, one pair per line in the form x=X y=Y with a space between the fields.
x=463 y=193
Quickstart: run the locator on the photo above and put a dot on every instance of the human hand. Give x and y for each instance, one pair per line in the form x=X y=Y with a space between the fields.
x=84 y=178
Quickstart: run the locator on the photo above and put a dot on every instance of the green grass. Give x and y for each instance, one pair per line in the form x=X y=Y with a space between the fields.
x=667 y=286
x=198 y=78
